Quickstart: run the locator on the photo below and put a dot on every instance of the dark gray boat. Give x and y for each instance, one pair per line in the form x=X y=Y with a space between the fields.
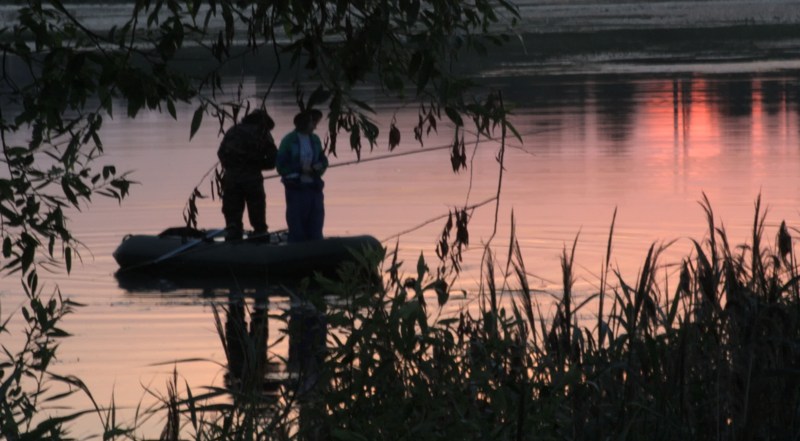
x=203 y=253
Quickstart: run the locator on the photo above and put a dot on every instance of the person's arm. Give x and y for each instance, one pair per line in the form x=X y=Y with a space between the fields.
x=269 y=152
x=286 y=165
x=321 y=163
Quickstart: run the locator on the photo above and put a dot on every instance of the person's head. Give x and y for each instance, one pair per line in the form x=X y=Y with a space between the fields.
x=303 y=122
x=259 y=117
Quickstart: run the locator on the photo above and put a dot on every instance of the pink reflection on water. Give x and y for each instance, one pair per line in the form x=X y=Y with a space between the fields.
x=648 y=147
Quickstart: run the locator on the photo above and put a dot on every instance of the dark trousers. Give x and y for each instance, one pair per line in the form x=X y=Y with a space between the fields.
x=238 y=192
x=305 y=213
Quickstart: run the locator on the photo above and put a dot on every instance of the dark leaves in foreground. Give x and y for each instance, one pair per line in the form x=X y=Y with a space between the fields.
x=458 y=155
x=784 y=241
x=394 y=136
x=190 y=212
x=445 y=249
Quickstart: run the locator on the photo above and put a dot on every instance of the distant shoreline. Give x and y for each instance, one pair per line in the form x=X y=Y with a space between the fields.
x=702 y=28
x=623 y=36
x=567 y=36
x=730 y=38
x=550 y=16
x=559 y=16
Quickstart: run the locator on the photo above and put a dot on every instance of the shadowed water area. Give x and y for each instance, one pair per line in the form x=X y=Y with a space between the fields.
x=642 y=135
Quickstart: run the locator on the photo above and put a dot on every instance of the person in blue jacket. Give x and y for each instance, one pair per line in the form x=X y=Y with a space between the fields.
x=301 y=164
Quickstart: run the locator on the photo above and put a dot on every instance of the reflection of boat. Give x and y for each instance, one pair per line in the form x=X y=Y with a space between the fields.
x=193 y=254
x=215 y=285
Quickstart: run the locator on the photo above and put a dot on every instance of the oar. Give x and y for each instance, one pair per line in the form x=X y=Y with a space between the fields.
x=191 y=244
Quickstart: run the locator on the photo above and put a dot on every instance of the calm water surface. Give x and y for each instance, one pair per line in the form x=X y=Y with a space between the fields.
x=646 y=145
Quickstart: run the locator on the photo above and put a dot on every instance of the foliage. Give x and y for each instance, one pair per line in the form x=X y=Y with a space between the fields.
x=27 y=385
x=714 y=357
x=62 y=79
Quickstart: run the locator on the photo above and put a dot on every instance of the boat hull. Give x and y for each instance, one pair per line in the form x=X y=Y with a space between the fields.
x=199 y=257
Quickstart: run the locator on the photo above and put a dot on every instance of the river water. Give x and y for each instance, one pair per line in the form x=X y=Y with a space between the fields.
x=647 y=140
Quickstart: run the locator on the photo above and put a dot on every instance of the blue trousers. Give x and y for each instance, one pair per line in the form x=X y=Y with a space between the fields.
x=305 y=213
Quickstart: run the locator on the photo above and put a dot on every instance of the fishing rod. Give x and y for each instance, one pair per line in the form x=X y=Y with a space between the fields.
x=375 y=158
x=390 y=156
x=342 y=164
x=412 y=152
x=437 y=218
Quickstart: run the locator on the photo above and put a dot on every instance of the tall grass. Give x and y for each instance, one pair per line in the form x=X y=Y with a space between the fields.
x=713 y=355
x=714 y=358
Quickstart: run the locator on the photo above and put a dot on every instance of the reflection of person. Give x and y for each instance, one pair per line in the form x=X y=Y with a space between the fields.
x=246 y=149
x=246 y=350
x=308 y=330
x=301 y=164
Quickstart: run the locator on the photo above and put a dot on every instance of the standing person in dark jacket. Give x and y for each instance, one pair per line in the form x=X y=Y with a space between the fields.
x=301 y=164
x=245 y=150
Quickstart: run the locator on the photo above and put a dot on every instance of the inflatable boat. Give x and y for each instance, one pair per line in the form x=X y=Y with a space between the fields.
x=204 y=253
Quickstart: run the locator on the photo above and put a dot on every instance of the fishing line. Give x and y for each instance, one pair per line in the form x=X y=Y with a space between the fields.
x=431 y=149
x=437 y=218
x=396 y=155
x=422 y=150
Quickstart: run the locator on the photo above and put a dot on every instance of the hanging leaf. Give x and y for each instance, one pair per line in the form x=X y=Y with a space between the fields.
x=394 y=137
x=319 y=96
x=355 y=140
x=443 y=248
x=68 y=258
x=458 y=154
x=7 y=247
x=462 y=233
x=196 y=120
x=454 y=116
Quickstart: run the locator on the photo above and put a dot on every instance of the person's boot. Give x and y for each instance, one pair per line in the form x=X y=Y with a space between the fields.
x=259 y=235
x=233 y=234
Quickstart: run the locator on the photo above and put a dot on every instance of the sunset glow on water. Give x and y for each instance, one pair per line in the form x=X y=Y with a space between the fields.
x=647 y=147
